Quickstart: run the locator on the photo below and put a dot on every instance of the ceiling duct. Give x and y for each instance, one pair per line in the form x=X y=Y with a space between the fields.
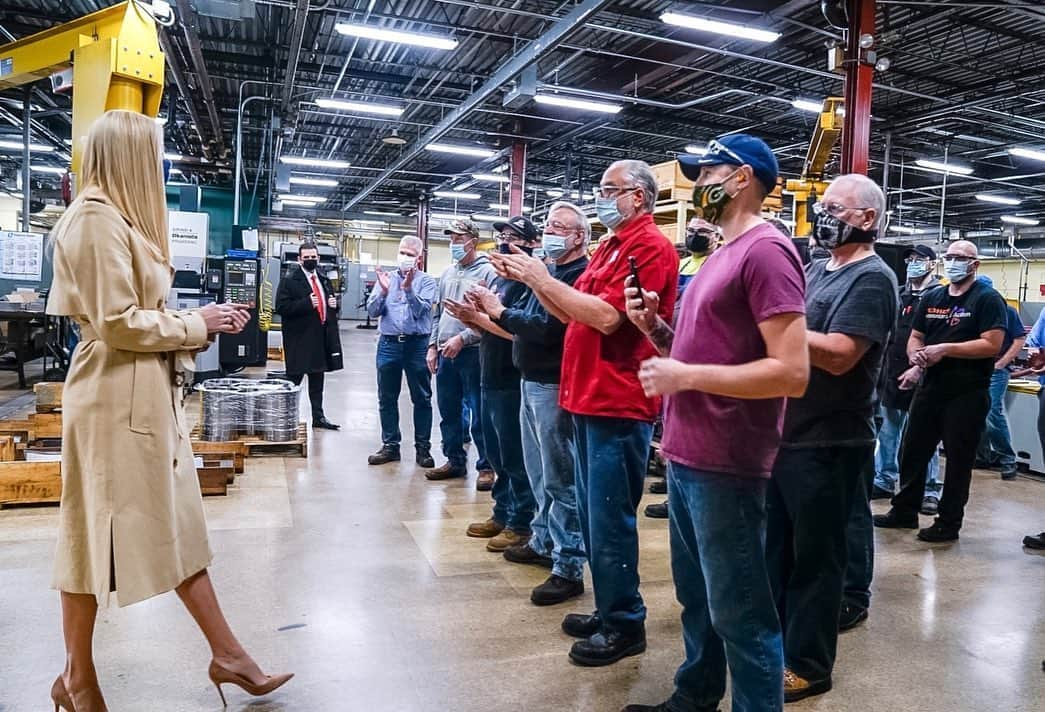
x=524 y=89
x=227 y=9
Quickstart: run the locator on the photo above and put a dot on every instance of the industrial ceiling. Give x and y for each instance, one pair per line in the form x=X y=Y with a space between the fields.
x=963 y=81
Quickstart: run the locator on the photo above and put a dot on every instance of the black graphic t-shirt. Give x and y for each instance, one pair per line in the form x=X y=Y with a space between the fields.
x=953 y=320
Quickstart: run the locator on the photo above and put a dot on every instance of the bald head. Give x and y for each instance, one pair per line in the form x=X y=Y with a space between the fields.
x=863 y=200
x=963 y=248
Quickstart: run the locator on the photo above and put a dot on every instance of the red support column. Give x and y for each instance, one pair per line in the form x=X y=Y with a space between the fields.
x=424 y=208
x=517 y=173
x=859 y=76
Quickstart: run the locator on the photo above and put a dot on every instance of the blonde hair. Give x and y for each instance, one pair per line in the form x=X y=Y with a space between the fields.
x=123 y=159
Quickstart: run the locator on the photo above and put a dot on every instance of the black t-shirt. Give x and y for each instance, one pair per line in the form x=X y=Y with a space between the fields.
x=858 y=300
x=945 y=319
x=495 y=353
x=896 y=360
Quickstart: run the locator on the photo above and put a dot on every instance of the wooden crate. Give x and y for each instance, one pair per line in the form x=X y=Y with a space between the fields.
x=30 y=482
x=275 y=354
x=256 y=447
x=214 y=480
x=20 y=430
x=46 y=426
x=235 y=451
x=48 y=396
x=8 y=451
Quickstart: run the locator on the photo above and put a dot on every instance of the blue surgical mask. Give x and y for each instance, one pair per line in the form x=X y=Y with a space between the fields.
x=539 y=253
x=955 y=270
x=457 y=252
x=917 y=269
x=608 y=213
x=554 y=245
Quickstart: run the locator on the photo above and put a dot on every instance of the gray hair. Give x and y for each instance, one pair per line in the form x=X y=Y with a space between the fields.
x=640 y=173
x=413 y=241
x=868 y=194
x=582 y=220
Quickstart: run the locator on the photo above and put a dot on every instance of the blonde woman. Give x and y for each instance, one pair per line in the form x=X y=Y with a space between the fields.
x=131 y=519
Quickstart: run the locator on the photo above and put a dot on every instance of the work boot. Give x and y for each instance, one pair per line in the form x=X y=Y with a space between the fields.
x=556 y=590
x=880 y=493
x=424 y=457
x=485 y=530
x=507 y=538
x=658 y=486
x=387 y=453
x=484 y=482
x=930 y=505
x=580 y=625
x=657 y=511
x=798 y=688
x=894 y=520
x=607 y=647
x=851 y=615
x=938 y=533
x=1034 y=542
x=525 y=555
x=448 y=471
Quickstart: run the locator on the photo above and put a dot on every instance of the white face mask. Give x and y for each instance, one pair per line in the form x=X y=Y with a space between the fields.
x=406 y=262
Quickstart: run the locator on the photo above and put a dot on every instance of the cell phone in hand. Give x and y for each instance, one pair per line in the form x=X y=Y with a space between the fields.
x=505 y=248
x=635 y=275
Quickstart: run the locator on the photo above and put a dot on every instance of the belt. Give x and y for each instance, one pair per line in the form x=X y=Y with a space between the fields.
x=402 y=338
x=178 y=376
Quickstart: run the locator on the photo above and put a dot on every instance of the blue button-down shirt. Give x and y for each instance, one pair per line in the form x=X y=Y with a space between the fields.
x=404 y=312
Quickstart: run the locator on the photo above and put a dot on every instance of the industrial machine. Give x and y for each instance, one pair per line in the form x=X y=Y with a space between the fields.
x=241 y=284
x=359 y=281
x=811 y=185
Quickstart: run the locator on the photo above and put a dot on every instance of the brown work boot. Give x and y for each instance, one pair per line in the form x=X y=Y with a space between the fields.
x=506 y=539
x=798 y=688
x=485 y=530
x=446 y=472
x=484 y=483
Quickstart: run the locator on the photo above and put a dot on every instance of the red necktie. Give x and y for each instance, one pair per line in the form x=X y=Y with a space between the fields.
x=320 y=304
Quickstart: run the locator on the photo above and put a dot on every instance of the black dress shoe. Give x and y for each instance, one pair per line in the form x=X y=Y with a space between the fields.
x=851 y=615
x=657 y=511
x=523 y=554
x=938 y=533
x=607 y=647
x=658 y=487
x=556 y=590
x=1035 y=542
x=424 y=458
x=880 y=493
x=894 y=520
x=387 y=453
x=580 y=625
x=322 y=422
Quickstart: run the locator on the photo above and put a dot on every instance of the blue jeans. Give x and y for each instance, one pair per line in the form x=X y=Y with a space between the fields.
x=718 y=535
x=395 y=358
x=610 y=471
x=548 y=451
x=887 y=454
x=996 y=443
x=512 y=499
x=457 y=383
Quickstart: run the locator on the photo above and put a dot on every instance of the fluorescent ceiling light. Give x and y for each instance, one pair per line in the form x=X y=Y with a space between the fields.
x=460 y=150
x=721 y=28
x=379 y=212
x=903 y=229
x=696 y=150
x=176 y=172
x=318 y=182
x=999 y=199
x=455 y=195
x=313 y=162
x=49 y=169
x=17 y=146
x=446 y=216
x=173 y=156
x=485 y=218
x=409 y=38
x=1028 y=153
x=941 y=167
x=380 y=223
x=303 y=203
x=360 y=106
x=304 y=198
x=491 y=177
x=500 y=169
x=601 y=107
x=988 y=232
x=808 y=105
x=1016 y=220
x=505 y=206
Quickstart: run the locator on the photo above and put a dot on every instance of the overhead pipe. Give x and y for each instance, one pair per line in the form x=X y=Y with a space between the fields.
x=182 y=82
x=297 y=36
x=643 y=102
x=189 y=26
x=27 y=121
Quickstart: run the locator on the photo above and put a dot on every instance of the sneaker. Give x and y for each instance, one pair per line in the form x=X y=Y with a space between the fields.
x=658 y=487
x=880 y=493
x=507 y=538
x=798 y=688
x=484 y=483
x=424 y=458
x=556 y=590
x=657 y=511
x=581 y=625
x=387 y=453
x=526 y=555
x=894 y=520
x=930 y=505
x=446 y=472
x=938 y=533
x=851 y=615
x=1035 y=542
x=485 y=530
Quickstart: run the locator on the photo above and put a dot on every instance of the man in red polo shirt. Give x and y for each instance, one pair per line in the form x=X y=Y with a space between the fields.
x=613 y=418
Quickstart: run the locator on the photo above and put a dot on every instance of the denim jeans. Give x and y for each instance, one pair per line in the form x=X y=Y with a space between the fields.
x=512 y=498
x=807 y=509
x=887 y=454
x=996 y=443
x=548 y=451
x=718 y=535
x=610 y=471
x=457 y=383
x=394 y=358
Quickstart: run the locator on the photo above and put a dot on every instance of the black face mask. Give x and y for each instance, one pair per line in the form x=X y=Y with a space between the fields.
x=310 y=265
x=829 y=232
x=699 y=241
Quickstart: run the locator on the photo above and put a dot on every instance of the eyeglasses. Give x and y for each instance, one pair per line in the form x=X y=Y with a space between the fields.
x=909 y=260
x=717 y=148
x=835 y=209
x=561 y=227
x=612 y=191
x=964 y=259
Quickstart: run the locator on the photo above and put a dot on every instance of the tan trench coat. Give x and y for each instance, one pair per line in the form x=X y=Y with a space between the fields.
x=130 y=495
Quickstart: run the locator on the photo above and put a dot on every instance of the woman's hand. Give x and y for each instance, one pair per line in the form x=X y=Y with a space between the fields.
x=225 y=318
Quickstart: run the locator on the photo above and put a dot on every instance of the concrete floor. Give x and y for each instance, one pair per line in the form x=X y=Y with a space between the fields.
x=361 y=581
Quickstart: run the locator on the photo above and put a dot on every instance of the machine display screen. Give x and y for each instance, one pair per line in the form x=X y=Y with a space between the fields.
x=235 y=278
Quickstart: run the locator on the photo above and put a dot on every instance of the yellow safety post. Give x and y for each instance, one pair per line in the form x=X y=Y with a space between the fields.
x=811 y=184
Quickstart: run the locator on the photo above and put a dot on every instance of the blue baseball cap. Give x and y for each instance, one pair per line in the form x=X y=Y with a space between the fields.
x=736 y=150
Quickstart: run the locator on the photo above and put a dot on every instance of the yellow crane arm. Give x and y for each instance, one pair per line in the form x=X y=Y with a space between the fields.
x=825 y=136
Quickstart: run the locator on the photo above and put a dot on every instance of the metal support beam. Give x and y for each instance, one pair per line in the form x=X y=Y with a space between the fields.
x=885 y=167
x=182 y=82
x=190 y=26
x=27 y=120
x=859 y=79
x=424 y=209
x=297 y=34
x=558 y=33
x=517 y=174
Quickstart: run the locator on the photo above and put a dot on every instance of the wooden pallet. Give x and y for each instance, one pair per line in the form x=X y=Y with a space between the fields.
x=256 y=447
x=30 y=482
x=48 y=396
x=214 y=480
x=234 y=451
x=275 y=354
x=46 y=426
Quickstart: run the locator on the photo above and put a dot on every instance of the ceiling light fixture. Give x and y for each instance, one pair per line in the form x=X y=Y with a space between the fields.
x=49 y=169
x=1028 y=153
x=486 y=218
x=313 y=162
x=446 y=216
x=173 y=156
x=380 y=212
x=360 y=107
x=814 y=107
x=720 y=28
x=601 y=107
x=491 y=177
x=999 y=199
x=18 y=145
x=1016 y=220
x=303 y=198
x=460 y=150
x=318 y=182
x=941 y=167
x=409 y=38
x=505 y=206
x=302 y=203
x=456 y=195
x=903 y=229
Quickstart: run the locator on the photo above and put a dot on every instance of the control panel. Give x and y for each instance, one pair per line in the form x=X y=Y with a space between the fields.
x=241 y=282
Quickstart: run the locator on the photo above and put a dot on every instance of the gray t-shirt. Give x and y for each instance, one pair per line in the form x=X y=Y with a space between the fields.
x=860 y=299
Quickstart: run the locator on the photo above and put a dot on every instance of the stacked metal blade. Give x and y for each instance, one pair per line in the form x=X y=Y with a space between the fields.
x=234 y=408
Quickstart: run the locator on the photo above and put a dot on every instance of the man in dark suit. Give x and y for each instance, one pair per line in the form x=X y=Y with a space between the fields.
x=308 y=306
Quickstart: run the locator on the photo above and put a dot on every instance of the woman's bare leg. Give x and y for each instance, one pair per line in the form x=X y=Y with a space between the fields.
x=79 y=612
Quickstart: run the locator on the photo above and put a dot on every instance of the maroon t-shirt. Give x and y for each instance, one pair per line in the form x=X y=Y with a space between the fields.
x=743 y=283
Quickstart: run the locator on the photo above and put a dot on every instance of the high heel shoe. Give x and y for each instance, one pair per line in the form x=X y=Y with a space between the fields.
x=220 y=676
x=60 y=696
